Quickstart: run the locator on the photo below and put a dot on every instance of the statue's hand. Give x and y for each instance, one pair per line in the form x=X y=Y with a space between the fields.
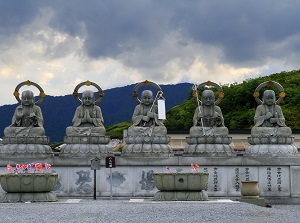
x=32 y=115
x=84 y=119
x=88 y=117
x=268 y=115
x=146 y=118
x=19 y=115
x=273 y=120
x=199 y=115
x=150 y=114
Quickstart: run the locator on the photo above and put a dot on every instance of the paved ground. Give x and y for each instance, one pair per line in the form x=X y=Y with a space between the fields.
x=148 y=211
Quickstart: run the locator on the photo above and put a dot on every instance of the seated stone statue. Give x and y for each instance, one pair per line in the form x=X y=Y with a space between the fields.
x=145 y=118
x=27 y=120
x=88 y=120
x=208 y=119
x=269 y=119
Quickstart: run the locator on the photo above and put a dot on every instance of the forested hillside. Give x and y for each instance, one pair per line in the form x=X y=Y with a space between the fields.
x=117 y=106
x=238 y=105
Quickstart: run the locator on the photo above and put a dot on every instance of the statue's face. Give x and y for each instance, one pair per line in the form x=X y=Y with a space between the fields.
x=27 y=98
x=208 y=97
x=269 y=97
x=88 y=98
x=147 y=97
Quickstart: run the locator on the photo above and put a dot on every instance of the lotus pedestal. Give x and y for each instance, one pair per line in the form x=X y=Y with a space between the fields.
x=180 y=186
x=28 y=187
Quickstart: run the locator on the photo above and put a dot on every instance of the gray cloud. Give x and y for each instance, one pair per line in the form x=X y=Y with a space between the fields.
x=246 y=31
x=167 y=41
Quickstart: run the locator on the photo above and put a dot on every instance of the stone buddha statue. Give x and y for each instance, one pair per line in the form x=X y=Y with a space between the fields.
x=88 y=120
x=269 y=119
x=145 y=118
x=27 y=120
x=208 y=119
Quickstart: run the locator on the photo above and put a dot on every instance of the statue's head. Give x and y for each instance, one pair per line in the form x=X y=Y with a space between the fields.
x=269 y=97
x=27 y=98
x=88 y=98
x=208 y=97
x=147 y=97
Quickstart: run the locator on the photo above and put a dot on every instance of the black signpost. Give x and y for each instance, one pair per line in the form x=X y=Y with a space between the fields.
x=110 y=163
x=95 y=165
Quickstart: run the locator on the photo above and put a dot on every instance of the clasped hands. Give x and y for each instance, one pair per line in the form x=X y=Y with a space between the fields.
x=87 y=117
x=149 y=116
x=269 y=116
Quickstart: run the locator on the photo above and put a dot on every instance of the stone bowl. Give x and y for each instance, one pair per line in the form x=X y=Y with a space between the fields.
x=180 y=181
x=250 y=188
x=28 y=182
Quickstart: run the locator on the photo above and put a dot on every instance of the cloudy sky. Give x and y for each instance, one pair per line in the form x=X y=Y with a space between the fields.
x=114 y=43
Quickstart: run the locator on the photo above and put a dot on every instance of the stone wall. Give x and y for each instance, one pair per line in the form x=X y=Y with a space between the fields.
x=132 y=177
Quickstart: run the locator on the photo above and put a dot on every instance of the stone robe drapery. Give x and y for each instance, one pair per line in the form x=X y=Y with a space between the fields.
x=19 y=120
x=140 y=111
x=216 y=120
x=262 y=110
x=95 y=113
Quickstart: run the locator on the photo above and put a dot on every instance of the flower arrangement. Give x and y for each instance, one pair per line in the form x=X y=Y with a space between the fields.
x=193 y=166
x=29 y=168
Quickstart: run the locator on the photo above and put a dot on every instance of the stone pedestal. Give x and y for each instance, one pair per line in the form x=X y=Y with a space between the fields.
x=208 y=145
x=26 y=147
x=250 y=193
x=82 y=146
x=271 y=145
x=147 y=145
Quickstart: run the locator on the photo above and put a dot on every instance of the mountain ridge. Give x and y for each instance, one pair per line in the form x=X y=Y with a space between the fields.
x=117 y=106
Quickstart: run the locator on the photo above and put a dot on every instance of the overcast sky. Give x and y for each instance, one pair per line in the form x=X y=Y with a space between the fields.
x=114 y=43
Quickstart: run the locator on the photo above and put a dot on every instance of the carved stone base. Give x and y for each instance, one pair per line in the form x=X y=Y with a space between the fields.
x=181 y=196
x=208 y=149
x=141 y=139
x=271 y=140
x=28 y=197
x=86 y=139
x=26 y=151
x=43 y=140
x=271 y=149
x=147 y=149
x=209 y=140
x=85 y=149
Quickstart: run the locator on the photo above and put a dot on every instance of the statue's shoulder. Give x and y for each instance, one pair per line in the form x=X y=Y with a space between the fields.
x=262 y=106
x=37 y=108
x=139 y=106
x=96 y=107
x=217 y=107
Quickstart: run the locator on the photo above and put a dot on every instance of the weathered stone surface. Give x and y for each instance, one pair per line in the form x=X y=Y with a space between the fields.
x=86 y=139
x=37 y=151
x=32 y=187
x=180 y=196
x=268 y=149
x=147 y=149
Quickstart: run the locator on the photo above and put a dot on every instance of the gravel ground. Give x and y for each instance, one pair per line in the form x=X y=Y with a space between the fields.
x=139 y=210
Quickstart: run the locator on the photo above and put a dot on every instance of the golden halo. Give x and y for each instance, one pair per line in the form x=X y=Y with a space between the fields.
x=210 y=83
x=29 y=83
x=88 y=83
x=144 y=83
x=269 y=83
